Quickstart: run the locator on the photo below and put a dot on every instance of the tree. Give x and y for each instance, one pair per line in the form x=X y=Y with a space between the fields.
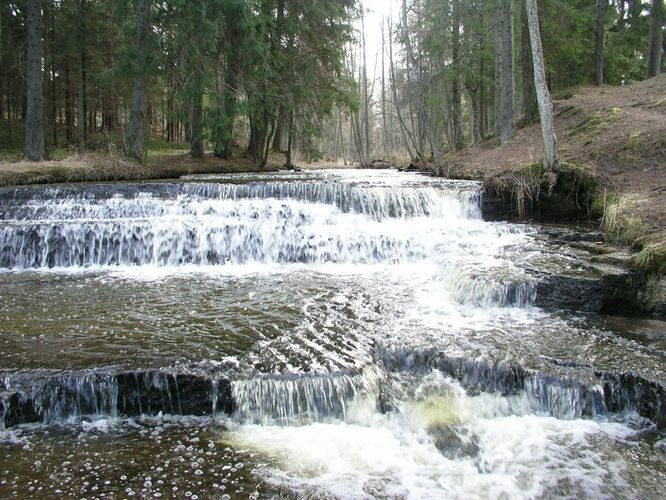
x=599 y=43
x=550 y=162
x=81 y=120
x=530 y=107
x=136 y=137
x=655 y=40
x=456 y=102
x=507 y=113
x=35 y=149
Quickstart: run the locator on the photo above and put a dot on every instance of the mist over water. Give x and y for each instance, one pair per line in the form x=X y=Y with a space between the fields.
x=354 y=335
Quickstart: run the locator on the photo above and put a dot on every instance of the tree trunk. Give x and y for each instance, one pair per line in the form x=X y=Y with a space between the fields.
x=507 y=115
x=335 y=137
x=81 y=119
x=655 y=40
x=229 y=99
x=456 y=97
x=35 y=149
x=69 y=115
x=599 y=43
x=409 y=60
x=385 y=135
x=54 y=101
x=498 y=73
x=366 y=101
x=476 y=118
x=550 y=162
x=135 y=140
x=530 y=109
x=482 y=86
x=289 y=164
x=197 y=143
x=404 y=131
x=270 y=125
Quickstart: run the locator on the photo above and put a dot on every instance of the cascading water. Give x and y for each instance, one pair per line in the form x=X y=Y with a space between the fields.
x=328 y=334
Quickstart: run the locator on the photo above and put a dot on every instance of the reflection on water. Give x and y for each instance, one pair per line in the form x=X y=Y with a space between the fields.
x=298 y=284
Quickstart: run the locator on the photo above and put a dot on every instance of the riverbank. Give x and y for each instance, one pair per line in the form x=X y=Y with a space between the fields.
x=96 y=167
x=612 y=143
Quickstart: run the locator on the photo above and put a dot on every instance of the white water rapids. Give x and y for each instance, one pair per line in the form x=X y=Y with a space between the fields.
x=379 y=338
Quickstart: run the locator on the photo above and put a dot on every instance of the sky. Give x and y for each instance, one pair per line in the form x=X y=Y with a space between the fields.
x=375 y=11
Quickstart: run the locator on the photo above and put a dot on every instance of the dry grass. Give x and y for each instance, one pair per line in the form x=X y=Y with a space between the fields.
x=91 y=167
x=75 y=168
x=620 y=221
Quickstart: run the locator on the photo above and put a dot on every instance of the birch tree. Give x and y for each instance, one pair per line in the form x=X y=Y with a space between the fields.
x=550 y=162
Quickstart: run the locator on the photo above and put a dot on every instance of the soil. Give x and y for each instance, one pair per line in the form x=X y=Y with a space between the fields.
x=618 y=134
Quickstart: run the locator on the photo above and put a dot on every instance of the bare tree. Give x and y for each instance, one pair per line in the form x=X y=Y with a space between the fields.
x=550 y=162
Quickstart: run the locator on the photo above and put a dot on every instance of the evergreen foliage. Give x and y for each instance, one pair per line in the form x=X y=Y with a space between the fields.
x=258 y=75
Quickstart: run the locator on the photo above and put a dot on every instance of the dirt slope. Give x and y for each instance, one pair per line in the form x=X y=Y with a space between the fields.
x=617 y=134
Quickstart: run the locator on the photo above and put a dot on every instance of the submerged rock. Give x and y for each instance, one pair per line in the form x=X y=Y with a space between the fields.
x=454 y=443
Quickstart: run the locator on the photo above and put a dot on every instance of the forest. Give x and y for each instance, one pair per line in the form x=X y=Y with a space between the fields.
x=233 y=77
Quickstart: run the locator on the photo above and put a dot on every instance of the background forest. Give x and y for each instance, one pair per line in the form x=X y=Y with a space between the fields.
x=233 y=77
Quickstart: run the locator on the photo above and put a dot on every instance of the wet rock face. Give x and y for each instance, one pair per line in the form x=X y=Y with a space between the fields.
x=631 y=391
x=623 y=292
x=611 y=286
x=127 y=394
x=576 y=392
x=573 y=393
x=181 y=394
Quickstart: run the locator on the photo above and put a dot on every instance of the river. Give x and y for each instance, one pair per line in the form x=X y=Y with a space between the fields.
x=327 y=334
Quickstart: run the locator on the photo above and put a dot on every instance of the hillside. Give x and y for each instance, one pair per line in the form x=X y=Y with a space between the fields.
x=614 y=135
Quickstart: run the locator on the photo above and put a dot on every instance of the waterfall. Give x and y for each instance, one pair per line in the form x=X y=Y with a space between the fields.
x=329 y=220
x=290 y=400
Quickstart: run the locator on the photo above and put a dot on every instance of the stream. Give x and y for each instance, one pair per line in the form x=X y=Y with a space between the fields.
x=326 y=334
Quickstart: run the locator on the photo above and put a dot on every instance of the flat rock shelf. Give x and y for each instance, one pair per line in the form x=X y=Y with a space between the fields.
x=329 y=334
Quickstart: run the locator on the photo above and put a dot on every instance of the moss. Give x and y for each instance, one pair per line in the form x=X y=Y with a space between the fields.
x=600 y=202
x=593 y=124
x=534 y=170
x=635 y=141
